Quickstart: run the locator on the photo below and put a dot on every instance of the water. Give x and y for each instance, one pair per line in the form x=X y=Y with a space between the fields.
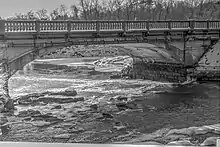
x=155 y=105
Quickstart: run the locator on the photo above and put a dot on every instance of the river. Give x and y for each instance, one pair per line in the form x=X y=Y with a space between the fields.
x=126 y=107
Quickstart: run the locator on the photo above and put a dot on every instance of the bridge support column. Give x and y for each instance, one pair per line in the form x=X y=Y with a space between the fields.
x=187 y=50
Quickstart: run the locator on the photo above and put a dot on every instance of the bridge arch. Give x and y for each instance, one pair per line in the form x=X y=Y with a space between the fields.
x=139 y=52
x=146 y=30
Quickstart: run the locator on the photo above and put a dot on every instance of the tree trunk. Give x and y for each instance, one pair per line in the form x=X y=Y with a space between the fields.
x=6 y=103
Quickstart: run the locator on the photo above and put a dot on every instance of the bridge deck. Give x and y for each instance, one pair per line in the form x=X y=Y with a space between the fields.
x=41 y=27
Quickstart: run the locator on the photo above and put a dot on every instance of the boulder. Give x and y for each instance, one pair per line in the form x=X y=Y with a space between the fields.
x=3 y=120
x=174 y=137
x=94 y=107
x=185 y=131
x=109 y=108
x=59 y=100
x=98 y=116
x=57 y=107
x=211 y=141
x=190 y=131
x=121 y=98
x=68 y=92
x=149 y=137
x=203 y=130
x=119 y=127
x=29 y=112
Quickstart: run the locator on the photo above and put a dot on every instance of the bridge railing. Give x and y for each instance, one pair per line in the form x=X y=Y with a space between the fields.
x=7 y=26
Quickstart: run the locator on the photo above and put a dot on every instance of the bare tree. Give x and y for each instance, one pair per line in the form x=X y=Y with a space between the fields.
x=119 y=7
x=42 y=14
x=63 y=10
x=54 y=14
x=130 y=10
x=74 y=11
x=83 y=4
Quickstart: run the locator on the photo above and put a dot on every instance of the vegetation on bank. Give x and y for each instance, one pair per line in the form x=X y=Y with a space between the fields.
x=128 y=10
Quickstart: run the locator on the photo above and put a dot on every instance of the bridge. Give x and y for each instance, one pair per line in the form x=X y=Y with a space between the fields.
x=185 y=42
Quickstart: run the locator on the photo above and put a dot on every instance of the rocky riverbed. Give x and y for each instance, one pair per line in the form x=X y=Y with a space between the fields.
x=91 y=107
x=83 y=100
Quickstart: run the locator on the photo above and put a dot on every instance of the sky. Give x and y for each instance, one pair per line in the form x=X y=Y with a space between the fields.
x=10 y=7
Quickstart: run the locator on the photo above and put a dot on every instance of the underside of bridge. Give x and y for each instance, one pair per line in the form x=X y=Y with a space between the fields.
x=167 y=61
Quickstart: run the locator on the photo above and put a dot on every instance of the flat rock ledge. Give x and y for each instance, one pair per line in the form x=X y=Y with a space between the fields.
x=193 y=136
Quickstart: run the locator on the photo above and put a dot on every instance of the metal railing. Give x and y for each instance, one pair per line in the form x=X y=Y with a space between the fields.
x=7 y=26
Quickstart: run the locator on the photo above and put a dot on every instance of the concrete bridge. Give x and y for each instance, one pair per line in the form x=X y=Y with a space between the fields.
x=185 y=43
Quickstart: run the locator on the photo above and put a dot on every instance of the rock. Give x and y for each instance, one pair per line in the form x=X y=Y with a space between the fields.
x=68 y=92
x=181 y=143
x=40 y=123
x=105 y=131
x=94 y=107
x=10 y=105
x=47 y=118
x=150 y=137
x=83 y=110
x=57 y=107
x=190 y=131
x=98 y=116
x=132 y=105
x=29 y=112
x=121 y=98
x=77 y=99
x=147 y=143
x=115 y=77
x=202 y=130
x=119 y=127
x=173 y=137
x=211 y=141
x=62 y=136
x=185 y=131
x=4 y=130
x=3 y=120
x=109 y=108
x=107 y=115
x=59 y=100
x=76 y=130
x=121 y=106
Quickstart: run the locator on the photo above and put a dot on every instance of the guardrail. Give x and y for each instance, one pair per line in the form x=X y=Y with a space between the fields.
x=7 y=26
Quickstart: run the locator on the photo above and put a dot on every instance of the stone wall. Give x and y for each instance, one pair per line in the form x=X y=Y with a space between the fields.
x=209 y=66
x=170 y=72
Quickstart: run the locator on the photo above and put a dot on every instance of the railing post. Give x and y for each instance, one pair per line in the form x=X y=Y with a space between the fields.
x=68 y=26
x=208 y=24
x=37 y=26
x=124 y=27
x=148 y=25
x=2 y=27
x=97 y=27
x=169 y=24
x=192 y=24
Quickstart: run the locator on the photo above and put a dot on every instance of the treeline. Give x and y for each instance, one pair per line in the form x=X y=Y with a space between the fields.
x=128 y=10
